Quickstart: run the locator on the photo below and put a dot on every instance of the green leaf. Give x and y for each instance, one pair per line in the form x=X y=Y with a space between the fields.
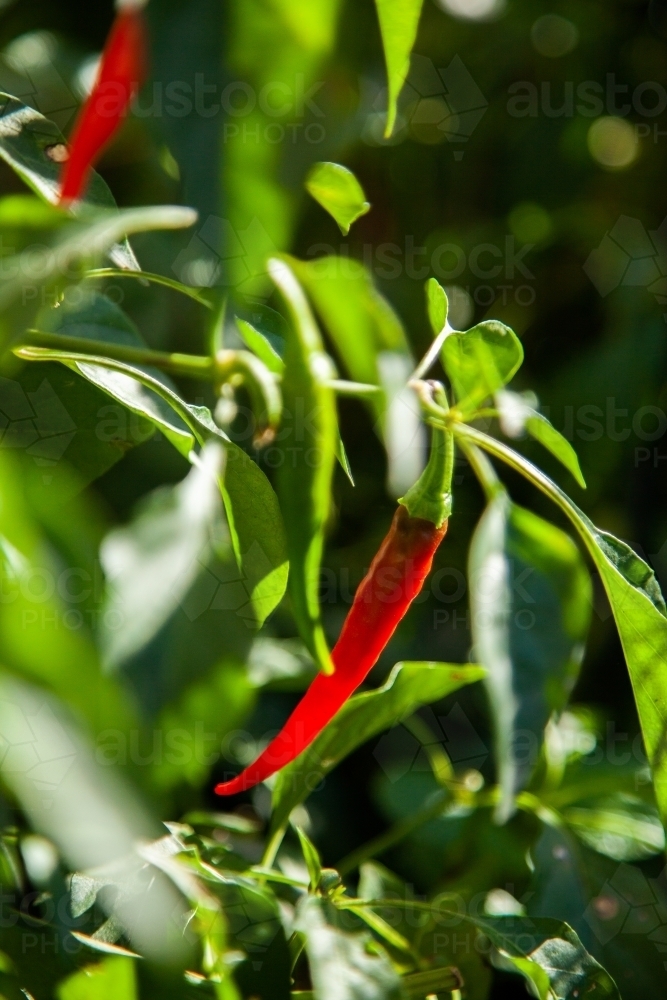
x=342 y=966
x=339 y=192
x=549 y=955
x=253 y=512
x=26 y=137
x=311 y=857
x=637 y=604
x=369 y=338
x=399 y=20
x=409 y=686
x=153 y=562
x=76 y=247
x=481 y=361
x=309 y=433
x=35 y=641
x=261 y=346
x=358 y=318
x=437 y=306
x=621 y=826
x=91 y=316
x=112 y=979
x=543 y=431
x=517 y=415
x=89 y=814
x=530 y=600
x=254 y=928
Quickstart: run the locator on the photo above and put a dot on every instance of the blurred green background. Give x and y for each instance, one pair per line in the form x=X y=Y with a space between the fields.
x=527 y=173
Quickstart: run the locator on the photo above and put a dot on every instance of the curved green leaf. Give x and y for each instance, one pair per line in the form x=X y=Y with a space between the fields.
x=339 y=192
x=399 y=20
x=253 y=512
x=516 y=415
x=357 y=317
x=636 y=601
x=94 y=317
x=261 y=346
x=437 y=306
x=481 y=361
x=308 y=444
x=409 y=686
x=543 y=431
x=113 y=978
x=549 y=956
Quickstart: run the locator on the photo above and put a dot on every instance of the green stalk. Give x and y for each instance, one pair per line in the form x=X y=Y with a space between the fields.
x=431 y=496
x=189 y=365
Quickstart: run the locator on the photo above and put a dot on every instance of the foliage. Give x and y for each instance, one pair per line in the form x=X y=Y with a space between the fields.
x=191 y=386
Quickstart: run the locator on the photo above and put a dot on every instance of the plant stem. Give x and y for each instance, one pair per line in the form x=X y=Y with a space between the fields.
x=273 y=846
x=483 y=469
x=155 y=279
x=393 y=836
x=189 y=365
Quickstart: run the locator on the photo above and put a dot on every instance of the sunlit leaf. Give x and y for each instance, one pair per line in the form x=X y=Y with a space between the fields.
x=152 y=564
x=620 y=826
x=261 y=346
x=437 y=305
x=517 y=415
x=308 y=445
x=549 y=955
x=252 y=508
x=481 y=361
x=111 y=979
x=339 y=192
x=88 y=813
x=543 y=431
x=311 y=857
x=399 y=20
x=636 y=601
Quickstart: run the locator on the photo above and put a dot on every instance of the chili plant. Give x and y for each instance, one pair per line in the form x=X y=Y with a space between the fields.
x=209 y=601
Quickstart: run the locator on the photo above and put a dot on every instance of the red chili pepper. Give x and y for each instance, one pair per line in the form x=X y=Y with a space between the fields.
x=394 y=579
x=121 y=74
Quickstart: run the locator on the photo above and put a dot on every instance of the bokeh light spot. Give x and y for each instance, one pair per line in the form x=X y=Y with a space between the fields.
x=473 y=10
x=613 y=142
x=554 y=36
x=530 y=223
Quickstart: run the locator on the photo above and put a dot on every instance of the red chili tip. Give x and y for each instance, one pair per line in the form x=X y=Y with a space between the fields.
x=231 y=787
x=121 y=73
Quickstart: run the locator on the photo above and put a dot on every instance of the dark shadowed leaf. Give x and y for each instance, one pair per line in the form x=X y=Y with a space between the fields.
x=530 y=601
x=637 y=604
x=26 y=140
x=362 y=717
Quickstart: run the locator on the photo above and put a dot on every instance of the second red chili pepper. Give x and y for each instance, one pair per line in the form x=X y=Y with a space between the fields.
x=121 y=73
x=395 y=578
